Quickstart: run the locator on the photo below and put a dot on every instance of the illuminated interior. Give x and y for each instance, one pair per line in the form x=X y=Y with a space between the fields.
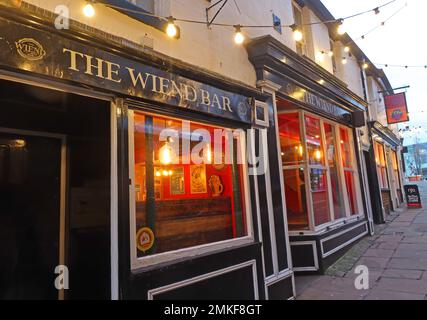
x=185 y=203
x=320 y=179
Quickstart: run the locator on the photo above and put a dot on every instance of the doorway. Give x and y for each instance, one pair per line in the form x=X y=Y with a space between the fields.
x=30 y=219
x=54 y=196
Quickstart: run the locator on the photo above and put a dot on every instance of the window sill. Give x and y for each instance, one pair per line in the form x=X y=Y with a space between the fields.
x=138 y=264
x=327 y=226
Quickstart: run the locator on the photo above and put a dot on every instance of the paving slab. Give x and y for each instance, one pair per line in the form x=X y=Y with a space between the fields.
x=402 y=274
x=403 y=285
x=413 y=246
x=408 y=263
x=378 y=294
x=388 y=245
x=318 y=294
x=405 y=253
x=378 y=253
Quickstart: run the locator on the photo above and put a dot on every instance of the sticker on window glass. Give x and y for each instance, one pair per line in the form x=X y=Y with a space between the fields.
x=144 y=239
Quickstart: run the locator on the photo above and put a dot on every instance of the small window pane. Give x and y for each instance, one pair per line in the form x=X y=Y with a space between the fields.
x=314 y=141
x=350 y=182
x=337 y=194
x=296 y=201
x=346 y=145
x=320 y=195
x=292 y=151
x=381 y=165
x=181 y=203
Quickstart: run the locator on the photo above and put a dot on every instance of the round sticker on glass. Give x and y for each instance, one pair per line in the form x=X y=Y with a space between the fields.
x=144 y=239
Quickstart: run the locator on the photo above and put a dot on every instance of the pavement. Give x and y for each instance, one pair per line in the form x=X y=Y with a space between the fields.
x=396 y=258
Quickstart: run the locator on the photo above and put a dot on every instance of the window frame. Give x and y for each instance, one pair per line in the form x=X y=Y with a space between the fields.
x=381 y=165
x=396 y=170
x=333 y=223
x=297 y=8
x=134 y=2
x=170 y=256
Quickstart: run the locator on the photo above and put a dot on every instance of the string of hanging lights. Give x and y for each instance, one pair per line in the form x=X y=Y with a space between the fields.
x=172 y=30
x=382 y=24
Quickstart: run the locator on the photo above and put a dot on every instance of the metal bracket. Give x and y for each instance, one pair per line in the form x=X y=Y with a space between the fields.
x=400 y=88
x=209 y=23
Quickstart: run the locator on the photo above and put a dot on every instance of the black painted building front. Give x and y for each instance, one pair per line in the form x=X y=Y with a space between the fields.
x=95 y=192
x=313 y=126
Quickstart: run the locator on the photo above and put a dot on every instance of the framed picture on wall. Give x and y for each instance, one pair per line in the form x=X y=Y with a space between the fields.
x=158 y=184
x=198 y=179
x=177 y=181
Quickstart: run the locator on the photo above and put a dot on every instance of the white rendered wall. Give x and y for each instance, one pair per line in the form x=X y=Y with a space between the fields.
x=213 y=48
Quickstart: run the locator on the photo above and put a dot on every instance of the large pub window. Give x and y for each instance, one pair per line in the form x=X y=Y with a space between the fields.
x=320 y=175
x=188 y=185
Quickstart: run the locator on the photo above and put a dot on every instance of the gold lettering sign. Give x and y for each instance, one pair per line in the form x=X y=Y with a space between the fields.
x=104 y=69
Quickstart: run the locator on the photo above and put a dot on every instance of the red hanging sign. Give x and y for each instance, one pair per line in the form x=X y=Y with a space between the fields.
x=396 y=108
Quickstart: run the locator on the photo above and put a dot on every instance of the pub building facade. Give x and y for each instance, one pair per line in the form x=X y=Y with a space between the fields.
x=123 y=211
x=315 y=132
x=93 y=190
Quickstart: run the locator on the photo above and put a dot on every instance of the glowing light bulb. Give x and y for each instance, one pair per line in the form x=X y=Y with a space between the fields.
x=298 y=36
x=239 y=38
x=346 y=49
x=166 y=155
x=171 y=29
x=158 y=174
x=365 y=66
x=89 y=10
x=331 y=54
x=344 y=60
x=318 y=155
x=208 y=155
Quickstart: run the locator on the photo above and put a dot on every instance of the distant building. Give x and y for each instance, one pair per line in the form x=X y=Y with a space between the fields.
x=416 y=160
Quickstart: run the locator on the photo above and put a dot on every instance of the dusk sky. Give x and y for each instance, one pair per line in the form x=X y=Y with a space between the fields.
x=400 y=42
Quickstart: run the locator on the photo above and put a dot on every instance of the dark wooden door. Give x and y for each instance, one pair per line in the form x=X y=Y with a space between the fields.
x=30 y=168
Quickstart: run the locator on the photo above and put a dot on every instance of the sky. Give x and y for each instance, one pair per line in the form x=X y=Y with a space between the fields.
x=401 y=41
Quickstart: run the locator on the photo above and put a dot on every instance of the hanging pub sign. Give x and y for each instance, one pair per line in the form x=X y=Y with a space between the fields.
x=396 y=108
x=49 y=54
x=413 y=198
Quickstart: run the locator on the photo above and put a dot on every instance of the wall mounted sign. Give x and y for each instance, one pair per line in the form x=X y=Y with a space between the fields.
x=49 y=54
x=396 y=108
x=144 y=239
x=316 y=102
x=413 y=198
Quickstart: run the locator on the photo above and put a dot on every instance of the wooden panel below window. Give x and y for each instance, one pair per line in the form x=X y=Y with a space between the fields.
x=188 y=222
